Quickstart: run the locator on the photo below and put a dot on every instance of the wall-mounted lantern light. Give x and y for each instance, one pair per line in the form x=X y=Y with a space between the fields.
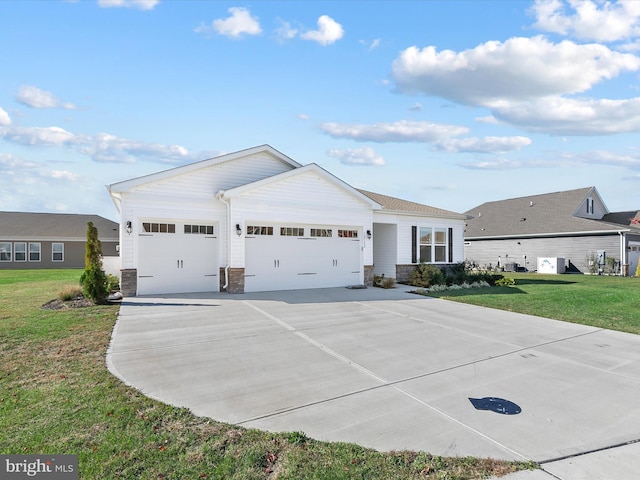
x=129 y=228
x=238 y=229
x=369 y=234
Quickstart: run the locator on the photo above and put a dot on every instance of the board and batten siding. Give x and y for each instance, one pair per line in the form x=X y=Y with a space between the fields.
x=209 y=180
x=385 y=249
x=139 y=208
x=306 y=199
x=575 y=249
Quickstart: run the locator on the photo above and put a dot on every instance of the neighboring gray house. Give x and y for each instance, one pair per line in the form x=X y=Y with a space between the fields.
x=50 y=240
x=574 y=226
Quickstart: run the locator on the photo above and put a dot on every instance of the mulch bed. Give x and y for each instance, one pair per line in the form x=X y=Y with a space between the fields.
x=78 y=302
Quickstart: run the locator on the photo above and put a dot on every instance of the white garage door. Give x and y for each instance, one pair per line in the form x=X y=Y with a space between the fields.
x=297 y=257
x=177 y=258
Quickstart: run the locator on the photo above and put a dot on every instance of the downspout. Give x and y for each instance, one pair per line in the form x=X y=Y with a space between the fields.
x=623 y=252
x=220 y=196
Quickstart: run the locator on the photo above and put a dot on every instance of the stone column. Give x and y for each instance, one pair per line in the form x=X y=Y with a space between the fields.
x=236 y=280
x=129 y=282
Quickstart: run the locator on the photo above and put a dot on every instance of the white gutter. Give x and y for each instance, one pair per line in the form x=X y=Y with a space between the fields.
x=220 y=196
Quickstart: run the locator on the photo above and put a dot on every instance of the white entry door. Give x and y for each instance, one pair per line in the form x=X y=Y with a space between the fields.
x=292 y=258
x=174 y=261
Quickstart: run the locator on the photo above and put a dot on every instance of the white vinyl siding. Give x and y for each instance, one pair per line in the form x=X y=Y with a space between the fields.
x=211 y=179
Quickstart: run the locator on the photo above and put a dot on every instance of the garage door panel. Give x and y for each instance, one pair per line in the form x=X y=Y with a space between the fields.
x=276 y=262
x=177 y=263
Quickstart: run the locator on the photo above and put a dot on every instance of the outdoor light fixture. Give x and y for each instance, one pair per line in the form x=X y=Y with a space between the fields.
x=129 y=228
x=238 y=229
x=369 y=234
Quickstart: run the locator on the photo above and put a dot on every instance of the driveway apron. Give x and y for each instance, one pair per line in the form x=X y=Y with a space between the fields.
x=386 y=369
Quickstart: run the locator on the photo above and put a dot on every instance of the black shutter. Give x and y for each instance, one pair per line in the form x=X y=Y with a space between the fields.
x=450 y=245
x=414 y=244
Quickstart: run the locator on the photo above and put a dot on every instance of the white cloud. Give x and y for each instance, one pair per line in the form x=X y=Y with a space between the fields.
x=483 y=145
x=102 y=147
x=517 y=69
x=237 y=25
x=36 y=98
x=37 y=136
x=357 y=156
x=285 y=31
x=589 y=20
x=416 y=107
x=9 y=162
x=401 y=131
x=329 y=31
x=4 y=118
x=60 y=175
x=139 y=4
x=572 y=116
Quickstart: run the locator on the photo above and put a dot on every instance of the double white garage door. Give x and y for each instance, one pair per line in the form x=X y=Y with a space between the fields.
x=183 y=258
x=289 y=258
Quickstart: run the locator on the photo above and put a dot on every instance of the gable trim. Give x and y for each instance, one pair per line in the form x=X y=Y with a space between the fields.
x=127 y=185
x=312 y=167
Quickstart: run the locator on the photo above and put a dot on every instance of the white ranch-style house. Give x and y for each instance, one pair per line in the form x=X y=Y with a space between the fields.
x=256 y=220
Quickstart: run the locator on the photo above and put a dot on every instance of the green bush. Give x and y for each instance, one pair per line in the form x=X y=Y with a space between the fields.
x=94 y=280
x=506 y=282
x=426 y=275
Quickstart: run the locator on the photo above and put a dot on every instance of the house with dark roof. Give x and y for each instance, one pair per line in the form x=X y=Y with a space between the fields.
x=51 y=240
x=257 y=220
x=574 y=226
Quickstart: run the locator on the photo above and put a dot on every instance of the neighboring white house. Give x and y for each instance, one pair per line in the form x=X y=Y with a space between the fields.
x=256 y=220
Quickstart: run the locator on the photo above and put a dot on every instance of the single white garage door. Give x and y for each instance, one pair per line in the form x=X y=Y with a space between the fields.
x=297 y=257
x=177 y=258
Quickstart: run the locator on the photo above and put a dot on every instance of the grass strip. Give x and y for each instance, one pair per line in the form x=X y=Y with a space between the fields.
x=600 y=301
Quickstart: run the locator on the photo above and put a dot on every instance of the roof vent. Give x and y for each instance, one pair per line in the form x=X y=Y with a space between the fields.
x=522 y=219
x=531 y=204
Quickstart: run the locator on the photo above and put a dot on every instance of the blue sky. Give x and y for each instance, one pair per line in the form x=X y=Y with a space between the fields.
x=448 y=103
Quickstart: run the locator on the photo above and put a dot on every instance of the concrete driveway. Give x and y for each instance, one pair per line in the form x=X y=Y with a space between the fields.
x=389 y=370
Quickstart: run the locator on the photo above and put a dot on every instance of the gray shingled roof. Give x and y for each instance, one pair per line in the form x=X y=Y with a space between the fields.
x=546 y=214
x=21 y=225
x=622 y=218
x=399 y=205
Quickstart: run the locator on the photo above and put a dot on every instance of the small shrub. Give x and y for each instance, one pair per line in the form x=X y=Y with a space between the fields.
x=388 y=283
x=113 y=283
x=638 y=270
x=505 y=282
x=70 y=293
x=426 y=275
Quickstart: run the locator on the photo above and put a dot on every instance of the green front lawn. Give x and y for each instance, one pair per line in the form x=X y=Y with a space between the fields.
x=57 y=397
x=601 y=301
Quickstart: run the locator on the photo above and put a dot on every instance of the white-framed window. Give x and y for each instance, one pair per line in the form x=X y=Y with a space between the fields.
x=5 y=252
x=199 y=229
x=57 y=252
x=35 y=248
x=259 y=230
x=291 y=232
x=321 y=232
x=435 y=245
x=348 y=233
x=20 y=252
